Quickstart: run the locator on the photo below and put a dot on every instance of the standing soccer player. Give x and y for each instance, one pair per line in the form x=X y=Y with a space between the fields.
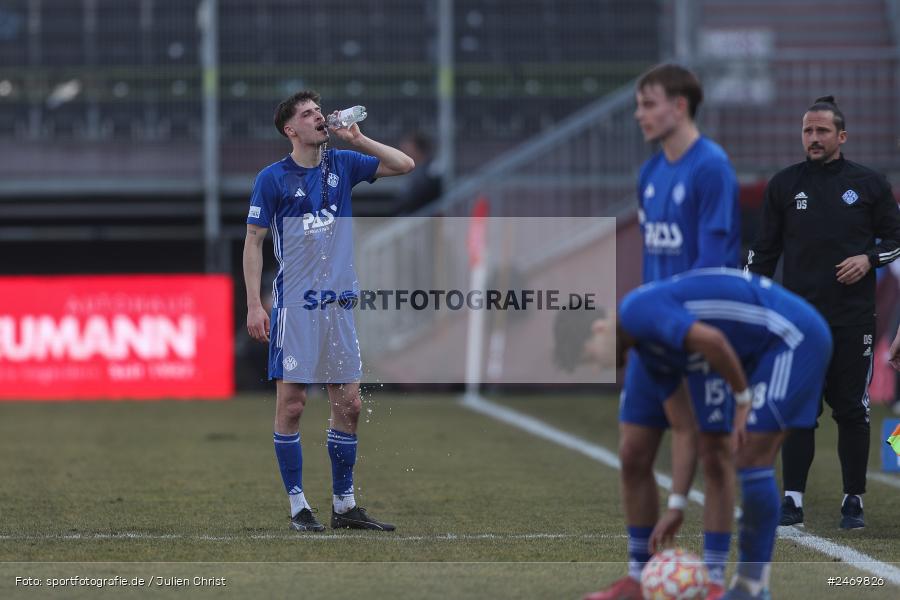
x=689 y=218
x=304 y=198
x=826 y=216
x=770 y=346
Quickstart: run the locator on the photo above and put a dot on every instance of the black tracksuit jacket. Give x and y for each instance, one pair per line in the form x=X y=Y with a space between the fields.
x=818 y=215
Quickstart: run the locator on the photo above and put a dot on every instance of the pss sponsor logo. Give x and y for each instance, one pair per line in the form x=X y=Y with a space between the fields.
x=317 y=221
x=663 y=238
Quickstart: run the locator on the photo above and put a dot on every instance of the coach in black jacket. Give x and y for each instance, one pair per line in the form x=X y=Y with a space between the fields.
x=834 y=220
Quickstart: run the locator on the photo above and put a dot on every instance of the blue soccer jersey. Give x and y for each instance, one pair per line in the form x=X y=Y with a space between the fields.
x=688 y=211
x=312 y=235
x=782 y=342
x=689 y=218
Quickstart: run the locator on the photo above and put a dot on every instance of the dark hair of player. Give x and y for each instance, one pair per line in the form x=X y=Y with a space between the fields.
x=571 y=329
x=675 y=81
x=288 y=108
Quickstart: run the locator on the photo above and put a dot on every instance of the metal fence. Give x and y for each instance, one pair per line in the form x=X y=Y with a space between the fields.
x=104 y=89
x=764 y=62
x=755 y=111
x=585 y=168
x=756 y=92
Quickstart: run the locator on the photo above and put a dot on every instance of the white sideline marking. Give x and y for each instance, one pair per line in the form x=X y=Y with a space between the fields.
x=540 y=429
x=562 y=438
x=381 y=537
x=891 y=480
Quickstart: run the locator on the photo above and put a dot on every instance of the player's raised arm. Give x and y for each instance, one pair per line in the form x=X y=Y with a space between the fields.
x=391 y=160
x=257 y=318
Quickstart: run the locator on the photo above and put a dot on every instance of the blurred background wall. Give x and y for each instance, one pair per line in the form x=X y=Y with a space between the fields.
x=105 y=107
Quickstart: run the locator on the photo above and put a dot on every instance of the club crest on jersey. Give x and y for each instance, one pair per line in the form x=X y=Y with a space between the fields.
x=850 y=197
x=333 y=180
x=678 y=194
x=649 y=191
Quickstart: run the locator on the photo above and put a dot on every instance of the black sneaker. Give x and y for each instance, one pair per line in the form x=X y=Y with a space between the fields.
x=852 y=513
x=306 y=521
x=356 y=518
x=791 y=514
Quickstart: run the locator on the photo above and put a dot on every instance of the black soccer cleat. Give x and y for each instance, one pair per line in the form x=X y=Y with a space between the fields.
x=791 y=514
x=852 y=514
x=305 y=520
x=356 y=518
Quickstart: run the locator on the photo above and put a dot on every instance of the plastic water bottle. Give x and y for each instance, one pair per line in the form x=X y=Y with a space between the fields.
x=347 y=117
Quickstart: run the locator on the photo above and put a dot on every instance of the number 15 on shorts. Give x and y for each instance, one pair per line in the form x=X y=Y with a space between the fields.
x=715 y=392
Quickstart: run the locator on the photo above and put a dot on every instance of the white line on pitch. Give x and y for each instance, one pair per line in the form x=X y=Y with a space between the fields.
x=540 y=429
x=381 y=537
x=891 y=480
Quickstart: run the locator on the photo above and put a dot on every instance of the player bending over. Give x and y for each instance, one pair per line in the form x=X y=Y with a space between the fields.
x=771 y=348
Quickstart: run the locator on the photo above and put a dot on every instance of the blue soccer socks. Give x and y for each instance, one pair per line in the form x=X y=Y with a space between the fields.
x=715 y=554
x=638 y=553
x=761 y=514
x=342 y=451
x=290 y=463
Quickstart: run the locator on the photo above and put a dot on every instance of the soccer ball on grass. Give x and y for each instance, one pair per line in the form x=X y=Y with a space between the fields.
x=674 y=574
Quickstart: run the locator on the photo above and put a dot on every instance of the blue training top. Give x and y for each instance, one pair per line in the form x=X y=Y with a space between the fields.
x=688 y=211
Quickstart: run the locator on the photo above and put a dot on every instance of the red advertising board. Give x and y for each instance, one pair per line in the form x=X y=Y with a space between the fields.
x=116 y=337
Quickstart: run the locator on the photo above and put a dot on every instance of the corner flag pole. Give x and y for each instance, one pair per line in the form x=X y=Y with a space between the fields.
x=477 y=245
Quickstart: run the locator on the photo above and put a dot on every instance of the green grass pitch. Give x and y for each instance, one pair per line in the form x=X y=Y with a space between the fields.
x=188 y=489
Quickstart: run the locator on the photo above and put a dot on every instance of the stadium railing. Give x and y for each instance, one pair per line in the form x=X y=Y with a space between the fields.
x=583 y=167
